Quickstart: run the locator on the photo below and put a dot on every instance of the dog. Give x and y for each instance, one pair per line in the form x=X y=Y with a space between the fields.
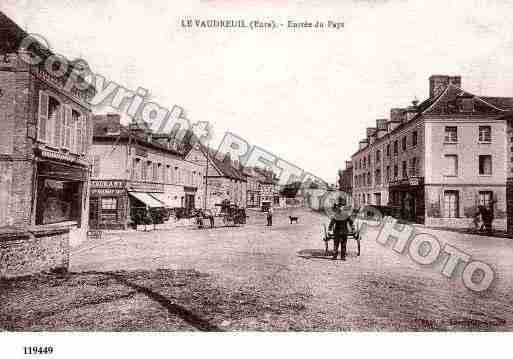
x=293 y=219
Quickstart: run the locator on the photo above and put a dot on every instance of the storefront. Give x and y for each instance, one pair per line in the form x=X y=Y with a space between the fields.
x=108 y=204
x=408 y=196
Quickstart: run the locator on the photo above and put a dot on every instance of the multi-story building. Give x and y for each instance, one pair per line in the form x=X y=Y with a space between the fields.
x=44 y=172
x=134 y=171
x=253 y=188
x=437 y=161
x=225 y=181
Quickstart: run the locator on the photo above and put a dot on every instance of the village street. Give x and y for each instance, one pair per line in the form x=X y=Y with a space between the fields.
x=256 y=278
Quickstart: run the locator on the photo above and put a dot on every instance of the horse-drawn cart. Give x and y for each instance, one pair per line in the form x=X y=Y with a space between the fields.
x=330 y=236
x=232 y=214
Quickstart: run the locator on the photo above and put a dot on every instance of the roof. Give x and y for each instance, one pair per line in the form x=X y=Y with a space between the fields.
x=224 y=166
x=12 y=35
x=446 y=102
x=125 y=136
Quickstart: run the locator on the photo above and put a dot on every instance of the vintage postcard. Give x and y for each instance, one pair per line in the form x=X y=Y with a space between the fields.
x=170 y=167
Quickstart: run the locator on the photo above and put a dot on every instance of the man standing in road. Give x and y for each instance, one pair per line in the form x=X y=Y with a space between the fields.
x=270 y=216
x=338 y=226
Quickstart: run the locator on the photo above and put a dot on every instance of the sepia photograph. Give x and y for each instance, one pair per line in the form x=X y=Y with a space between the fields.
x=312 y=174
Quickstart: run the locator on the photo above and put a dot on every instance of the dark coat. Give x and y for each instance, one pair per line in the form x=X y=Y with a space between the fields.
x=340 y=226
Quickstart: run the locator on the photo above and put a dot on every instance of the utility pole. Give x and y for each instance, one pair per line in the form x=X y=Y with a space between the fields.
x=206 y=184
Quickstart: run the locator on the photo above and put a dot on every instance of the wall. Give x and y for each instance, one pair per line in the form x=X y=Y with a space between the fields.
x=24 y=253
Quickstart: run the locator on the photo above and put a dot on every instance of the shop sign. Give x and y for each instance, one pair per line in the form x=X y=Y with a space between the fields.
x=94 y=234
x=107 y=191
x=414 y=181
x=146 y=187
x=107 y=184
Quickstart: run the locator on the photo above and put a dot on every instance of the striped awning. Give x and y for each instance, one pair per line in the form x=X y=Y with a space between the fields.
x=147 y=199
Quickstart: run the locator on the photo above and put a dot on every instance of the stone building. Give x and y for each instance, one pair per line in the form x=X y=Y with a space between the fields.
x=438 y=160
x=345 y=181
x=132 y=171
x=44 y=172
x=225 y=180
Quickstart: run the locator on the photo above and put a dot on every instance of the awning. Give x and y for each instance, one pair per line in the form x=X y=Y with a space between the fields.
x=147 y=199
x=162 y=198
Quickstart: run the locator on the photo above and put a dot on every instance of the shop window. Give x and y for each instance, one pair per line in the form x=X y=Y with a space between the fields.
x=485 y=165
x=58 y=201
x=451 y=165
x=451 y=204
x=485 y=134
x=451 y=134
x=109 y=203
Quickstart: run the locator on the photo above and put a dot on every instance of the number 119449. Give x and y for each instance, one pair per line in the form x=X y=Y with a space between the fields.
x=37 y=350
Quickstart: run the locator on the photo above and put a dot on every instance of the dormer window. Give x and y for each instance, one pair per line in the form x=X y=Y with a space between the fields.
x=466 y=104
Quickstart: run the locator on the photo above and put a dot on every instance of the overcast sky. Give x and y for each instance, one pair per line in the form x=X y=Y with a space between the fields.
x=306 y=96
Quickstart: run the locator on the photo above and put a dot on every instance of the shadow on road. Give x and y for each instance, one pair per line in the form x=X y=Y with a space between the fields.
x=173 y=309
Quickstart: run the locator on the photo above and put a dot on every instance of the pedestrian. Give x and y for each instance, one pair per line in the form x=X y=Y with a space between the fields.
x=339 y=227
x=270 y=216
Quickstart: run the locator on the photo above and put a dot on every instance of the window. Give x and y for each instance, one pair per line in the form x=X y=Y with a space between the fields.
x=451 y=165
x=414 y=138
x=368 y=198
x=451 y=134
x=467 y=105
x=109 y=203
x=388 y=150
x=136 y=169
x=377 y=199
x=396 y=171
x=414 y=165
x=96 y=166
x=451 y=204
x=378 y=177
x=364 y=162
x=388 y=174
x=485 y=134
x=378 y=156
x=53 y=126
x=405 y=173
x=485 y=165
x=485 y=199
x=396 y=150
x=144 y=171
x=166 y=174
x=58 y=201
x=404 y=143
x=369 y=179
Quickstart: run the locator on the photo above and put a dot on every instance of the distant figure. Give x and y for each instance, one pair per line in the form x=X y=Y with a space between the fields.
x=487 y=216
x=338 y=225
x=270 y=216
x=293 y=219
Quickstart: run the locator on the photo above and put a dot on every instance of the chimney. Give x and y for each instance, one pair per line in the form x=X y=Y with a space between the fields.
x=371 y=134
x=411 y=111
x=349 y=164
x=108 y=124
x=438 y=83
x=362 y=144
x=381 y=127
x=397 y=116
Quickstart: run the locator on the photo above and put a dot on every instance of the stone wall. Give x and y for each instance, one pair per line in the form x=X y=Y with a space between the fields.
x=25 y=252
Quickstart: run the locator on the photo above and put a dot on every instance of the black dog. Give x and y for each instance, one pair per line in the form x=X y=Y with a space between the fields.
x=293 y=219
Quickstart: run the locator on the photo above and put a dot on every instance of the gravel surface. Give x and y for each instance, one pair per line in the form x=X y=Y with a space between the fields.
x=257 y=278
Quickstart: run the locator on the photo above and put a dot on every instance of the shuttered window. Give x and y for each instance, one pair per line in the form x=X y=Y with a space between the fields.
x=42 y=116
x=66 y=137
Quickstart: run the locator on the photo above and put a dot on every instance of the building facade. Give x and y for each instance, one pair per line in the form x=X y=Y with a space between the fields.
x=132 y=171
x=44 y=181
x=437 y=161
x=225 y=180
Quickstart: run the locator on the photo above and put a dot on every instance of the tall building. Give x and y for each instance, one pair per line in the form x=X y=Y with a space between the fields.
x=45 y=134
x=134 y=171
x=438 y=160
